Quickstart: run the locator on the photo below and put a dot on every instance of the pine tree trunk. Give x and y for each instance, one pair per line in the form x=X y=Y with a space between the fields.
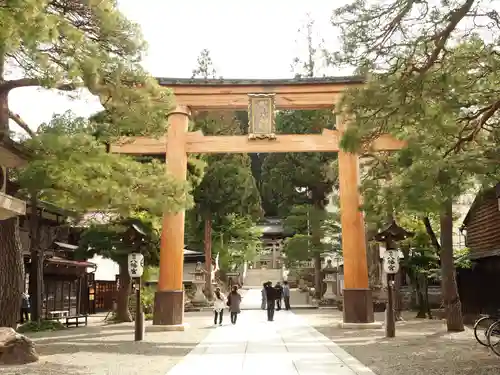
x=36 y=267
x=318 y=282
x=427 y=305
x=420 y=296
x=11 y=273
x=208 y=256
x=453 y=306
x=122 y=306
x=4 y=112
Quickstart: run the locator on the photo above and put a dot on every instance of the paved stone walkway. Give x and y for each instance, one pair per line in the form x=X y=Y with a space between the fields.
x=252 y=299
x=287 y=346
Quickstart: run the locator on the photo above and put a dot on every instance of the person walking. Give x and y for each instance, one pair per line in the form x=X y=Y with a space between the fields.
x=219 y=305
x=264 y=297
x=279 y=295
x=234 y=301
x=25 y=307
x=271 y=300
x=286 y=295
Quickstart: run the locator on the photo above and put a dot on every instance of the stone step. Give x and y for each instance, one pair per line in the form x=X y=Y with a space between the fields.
x=256 y=277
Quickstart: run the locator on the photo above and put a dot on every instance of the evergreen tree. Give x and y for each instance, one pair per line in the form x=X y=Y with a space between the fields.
x=431 y=80
x=228 y=187
x=68 y=45
x=291 y=179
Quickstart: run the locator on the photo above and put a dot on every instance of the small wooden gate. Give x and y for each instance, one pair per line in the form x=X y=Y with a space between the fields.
x=102 y=295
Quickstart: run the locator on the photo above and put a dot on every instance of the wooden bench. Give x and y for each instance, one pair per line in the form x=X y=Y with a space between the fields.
x=56 y=315
x=75 y=320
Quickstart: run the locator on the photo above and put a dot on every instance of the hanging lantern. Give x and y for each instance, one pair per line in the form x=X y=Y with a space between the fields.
x=391 y=261
x=135 y=264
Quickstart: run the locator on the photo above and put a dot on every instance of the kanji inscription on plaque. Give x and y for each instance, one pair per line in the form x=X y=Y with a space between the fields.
x=261 y=116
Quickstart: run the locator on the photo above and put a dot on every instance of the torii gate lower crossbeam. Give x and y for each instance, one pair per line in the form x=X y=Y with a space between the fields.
x=169 y=298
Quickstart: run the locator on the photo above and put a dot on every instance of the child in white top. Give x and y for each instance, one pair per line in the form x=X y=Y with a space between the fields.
x=219 y=305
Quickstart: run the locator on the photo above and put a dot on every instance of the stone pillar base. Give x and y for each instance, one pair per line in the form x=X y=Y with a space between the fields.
x=358 y=306
x=169 y=308
x=374 y=325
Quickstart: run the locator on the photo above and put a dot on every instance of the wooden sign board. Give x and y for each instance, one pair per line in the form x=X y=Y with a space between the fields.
x=261 y=116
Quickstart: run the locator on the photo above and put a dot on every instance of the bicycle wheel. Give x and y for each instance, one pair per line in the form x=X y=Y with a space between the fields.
x=481 y=328
x=494 y=337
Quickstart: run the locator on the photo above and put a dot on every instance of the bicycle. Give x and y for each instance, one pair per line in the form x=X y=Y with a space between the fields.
x=482 y=327
x=494 y=334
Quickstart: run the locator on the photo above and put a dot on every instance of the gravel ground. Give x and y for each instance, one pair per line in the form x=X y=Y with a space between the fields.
x=420 y=346
x=110 y=349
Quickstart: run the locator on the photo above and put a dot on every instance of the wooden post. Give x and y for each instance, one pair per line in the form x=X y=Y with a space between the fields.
x=358 y=306
x=390 y=322
x=169 y=296
x=139 y=318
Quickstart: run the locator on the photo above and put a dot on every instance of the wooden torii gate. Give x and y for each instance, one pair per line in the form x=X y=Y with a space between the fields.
x=261 y=98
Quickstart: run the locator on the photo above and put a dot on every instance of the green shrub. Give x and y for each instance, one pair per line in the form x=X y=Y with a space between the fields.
x=148 y=299
x=42 y=326
x=148 y=316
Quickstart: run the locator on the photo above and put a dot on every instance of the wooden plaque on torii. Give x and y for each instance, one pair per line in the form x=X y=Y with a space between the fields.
x=261 y=98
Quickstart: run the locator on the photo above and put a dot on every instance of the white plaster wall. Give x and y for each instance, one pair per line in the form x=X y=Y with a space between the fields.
x=106 y=268
x=460 y=210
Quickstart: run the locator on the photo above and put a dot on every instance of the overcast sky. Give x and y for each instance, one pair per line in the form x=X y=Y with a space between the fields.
x=247 y=39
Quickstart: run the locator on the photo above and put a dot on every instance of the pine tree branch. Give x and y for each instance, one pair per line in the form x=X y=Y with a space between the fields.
x=475 y=124
x=443 y=36
x=30 y=82
x=22 y=124
x=431 y=233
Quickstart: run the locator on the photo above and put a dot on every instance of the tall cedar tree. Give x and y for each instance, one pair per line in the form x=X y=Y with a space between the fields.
x=432 y=80
x=67 y=45
x=282 y=174
x=228 y=186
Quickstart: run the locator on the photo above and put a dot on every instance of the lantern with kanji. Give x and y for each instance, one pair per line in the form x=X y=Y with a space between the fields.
x=135 y=265
x=391 y=261
x=389 y=236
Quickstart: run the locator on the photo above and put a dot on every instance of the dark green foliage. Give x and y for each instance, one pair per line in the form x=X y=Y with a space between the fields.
x=303 y=246
x=147 y=300
x=41 y=326
x=70 y=45
x=73 y=170
x=283 y=173
x=117 y=238
x=228 y=187
x=227 y=196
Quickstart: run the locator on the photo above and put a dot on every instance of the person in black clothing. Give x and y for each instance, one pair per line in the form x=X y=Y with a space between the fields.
x=271 y=298
x=286 y=294
x=279 y=295
x=25 y=307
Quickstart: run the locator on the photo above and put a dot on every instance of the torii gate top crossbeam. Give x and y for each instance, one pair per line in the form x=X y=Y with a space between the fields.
x=227 y=94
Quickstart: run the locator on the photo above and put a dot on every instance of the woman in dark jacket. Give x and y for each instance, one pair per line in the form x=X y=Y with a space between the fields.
x=234 y=301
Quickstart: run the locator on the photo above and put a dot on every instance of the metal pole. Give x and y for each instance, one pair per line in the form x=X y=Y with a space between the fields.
x=390 y=326
x=139 y=322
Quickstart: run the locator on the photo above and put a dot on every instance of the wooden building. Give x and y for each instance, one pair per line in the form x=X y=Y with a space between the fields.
x=478 y=285
x=273 y=237
x=65 y=280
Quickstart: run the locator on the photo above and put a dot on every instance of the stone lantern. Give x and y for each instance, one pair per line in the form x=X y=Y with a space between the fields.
x=389 y=237
x=199 y=298
x=330 y=280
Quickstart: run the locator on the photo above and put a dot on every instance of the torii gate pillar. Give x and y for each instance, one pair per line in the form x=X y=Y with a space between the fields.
x=357 y=305
x=169 y=296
